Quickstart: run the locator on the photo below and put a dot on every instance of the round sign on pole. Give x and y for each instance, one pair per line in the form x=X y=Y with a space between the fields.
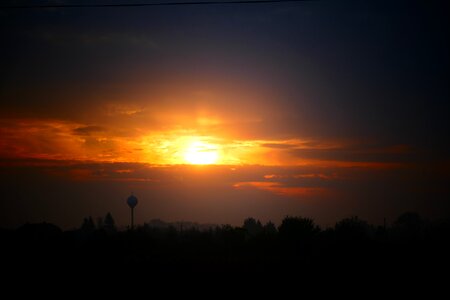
x=132 y=201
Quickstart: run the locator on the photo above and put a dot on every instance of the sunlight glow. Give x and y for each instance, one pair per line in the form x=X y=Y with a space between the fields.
x=201 y=153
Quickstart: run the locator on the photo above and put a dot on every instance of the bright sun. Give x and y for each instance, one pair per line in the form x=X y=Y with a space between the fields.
x=201 y=153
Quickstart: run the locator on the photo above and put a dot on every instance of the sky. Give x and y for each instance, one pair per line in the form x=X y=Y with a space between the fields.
x=215 y=113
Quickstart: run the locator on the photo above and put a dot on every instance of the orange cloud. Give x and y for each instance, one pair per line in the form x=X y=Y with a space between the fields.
x=279 y=189
x=301 y=176
x=108 y=142
x=124 y=171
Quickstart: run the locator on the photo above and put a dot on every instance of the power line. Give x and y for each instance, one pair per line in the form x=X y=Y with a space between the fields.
x=147 y=4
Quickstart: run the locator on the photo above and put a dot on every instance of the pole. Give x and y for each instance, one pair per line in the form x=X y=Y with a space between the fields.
x=132 y=218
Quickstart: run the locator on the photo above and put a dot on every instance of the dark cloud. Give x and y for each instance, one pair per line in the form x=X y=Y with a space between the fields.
x=88 y=130
x=359 y=153
x=278 y=146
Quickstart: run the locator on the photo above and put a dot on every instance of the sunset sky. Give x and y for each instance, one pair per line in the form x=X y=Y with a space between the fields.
x=215 y=113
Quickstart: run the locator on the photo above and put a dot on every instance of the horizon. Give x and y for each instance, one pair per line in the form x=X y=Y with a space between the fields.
x=99 y=223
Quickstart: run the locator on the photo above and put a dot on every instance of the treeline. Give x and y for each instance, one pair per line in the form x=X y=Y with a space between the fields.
x=296 y=244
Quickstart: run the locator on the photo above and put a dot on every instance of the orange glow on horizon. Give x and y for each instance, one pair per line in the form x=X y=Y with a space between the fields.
x=50 y=139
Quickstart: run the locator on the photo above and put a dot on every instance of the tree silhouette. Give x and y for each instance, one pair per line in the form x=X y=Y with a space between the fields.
x=269 y=228
x=252 y=226
x=108 y=223
x=352 y=229
x=298 y=229
x=88 y=225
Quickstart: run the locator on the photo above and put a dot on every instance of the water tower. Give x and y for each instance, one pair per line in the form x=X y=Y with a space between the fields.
x=132 y=201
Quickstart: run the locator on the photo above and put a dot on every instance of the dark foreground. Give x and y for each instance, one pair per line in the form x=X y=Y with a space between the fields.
x=298 y=251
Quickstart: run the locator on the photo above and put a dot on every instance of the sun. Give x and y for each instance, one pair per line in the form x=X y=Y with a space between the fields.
x=201 y=153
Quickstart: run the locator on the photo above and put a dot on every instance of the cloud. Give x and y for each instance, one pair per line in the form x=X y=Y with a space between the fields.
x=88 y=130
x=358 y=152
x=115 y=109
x=118 y=140
x=278 y=146
x=279 y=189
